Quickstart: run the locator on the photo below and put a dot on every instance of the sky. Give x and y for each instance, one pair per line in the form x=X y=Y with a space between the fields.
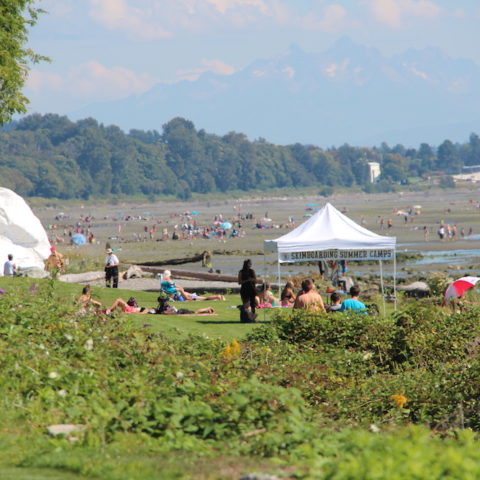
x=104 y=50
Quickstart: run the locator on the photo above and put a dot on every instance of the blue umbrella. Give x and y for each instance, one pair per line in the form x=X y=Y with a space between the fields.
x=226 y=225
x=195 y=212
x=79 y=239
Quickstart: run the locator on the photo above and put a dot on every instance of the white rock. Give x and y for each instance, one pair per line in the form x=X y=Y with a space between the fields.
x=64 y=429
x=21 y=232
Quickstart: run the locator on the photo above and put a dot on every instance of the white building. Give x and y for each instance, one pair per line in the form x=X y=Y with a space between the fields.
x=374 y=171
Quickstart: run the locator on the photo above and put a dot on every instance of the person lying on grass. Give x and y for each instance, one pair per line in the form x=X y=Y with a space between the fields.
x=165 y=309
x=176 y=292
x=129 y=306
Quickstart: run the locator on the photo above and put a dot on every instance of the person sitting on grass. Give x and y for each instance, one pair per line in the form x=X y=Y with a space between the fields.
x=86 y=302
x=165 y=309
x=287 y=297
x=353 y=304
x=309 y=298
x=129 y=306
x=265 y=296
x=336 y=303
x=176 y=292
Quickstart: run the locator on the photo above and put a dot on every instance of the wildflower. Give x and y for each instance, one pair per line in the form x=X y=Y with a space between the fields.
x=227 y=353
x=179 y=374
x=62 y=393
x=374 y=428
x=235 y=346
x=399 y=400
x=53 y=375
x=231 y=351
x=88 y=344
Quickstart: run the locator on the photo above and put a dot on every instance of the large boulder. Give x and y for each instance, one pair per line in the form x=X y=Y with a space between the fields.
x=21 y=233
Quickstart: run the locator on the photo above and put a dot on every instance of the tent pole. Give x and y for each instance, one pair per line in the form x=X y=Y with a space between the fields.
x=395 y=280
x=383 y=290
x=279 y=280
x=264 y=279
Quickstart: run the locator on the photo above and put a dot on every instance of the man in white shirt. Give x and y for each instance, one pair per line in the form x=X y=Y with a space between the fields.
x=111 y=269
x=9 y=268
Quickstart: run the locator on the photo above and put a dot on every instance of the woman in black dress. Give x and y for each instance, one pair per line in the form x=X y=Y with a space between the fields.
x=247 y=279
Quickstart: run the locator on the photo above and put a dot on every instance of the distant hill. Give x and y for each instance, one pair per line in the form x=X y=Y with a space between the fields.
x=348 y=93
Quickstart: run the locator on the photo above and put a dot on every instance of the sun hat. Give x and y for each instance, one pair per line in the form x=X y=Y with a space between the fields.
x=109 y=250
x=167 y=273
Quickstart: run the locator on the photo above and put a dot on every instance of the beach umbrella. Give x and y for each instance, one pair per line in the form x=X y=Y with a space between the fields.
x=79 y=239
x=195 y=212
x=226 y=225
x=457 y=288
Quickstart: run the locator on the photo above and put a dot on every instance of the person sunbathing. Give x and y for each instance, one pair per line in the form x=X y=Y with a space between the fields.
x=265 y=296
x=165 y=309
x=287 y=297
x=176 y=292
x=129 y=306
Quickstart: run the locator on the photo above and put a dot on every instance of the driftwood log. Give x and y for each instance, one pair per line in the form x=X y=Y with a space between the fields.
x=217 y=277
x=200 y=257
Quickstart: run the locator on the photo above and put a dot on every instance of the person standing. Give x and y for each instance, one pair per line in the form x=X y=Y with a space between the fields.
x=55 y=263
x=9 y=268
x=247 y=280
x=111 y=269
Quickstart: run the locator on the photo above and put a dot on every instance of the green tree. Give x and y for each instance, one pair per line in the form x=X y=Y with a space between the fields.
x=448 y=158
x=16 y=18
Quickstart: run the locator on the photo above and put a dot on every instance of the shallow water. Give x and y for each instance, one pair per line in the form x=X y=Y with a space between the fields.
x=455 y=257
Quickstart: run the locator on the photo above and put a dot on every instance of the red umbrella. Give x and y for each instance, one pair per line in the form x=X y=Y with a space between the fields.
x=457 y=288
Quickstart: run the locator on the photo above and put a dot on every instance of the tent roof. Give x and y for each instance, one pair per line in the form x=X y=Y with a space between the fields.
x=329 y=229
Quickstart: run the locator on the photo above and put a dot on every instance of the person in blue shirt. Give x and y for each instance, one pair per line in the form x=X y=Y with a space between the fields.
x=179 y=293
x=353 y=304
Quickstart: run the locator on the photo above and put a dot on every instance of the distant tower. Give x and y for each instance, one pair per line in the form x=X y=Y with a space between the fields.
x=373 y=171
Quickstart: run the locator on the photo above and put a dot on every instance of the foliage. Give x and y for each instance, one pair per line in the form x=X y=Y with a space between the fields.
x=51 y=156
x=304 y=389
x=16 y=17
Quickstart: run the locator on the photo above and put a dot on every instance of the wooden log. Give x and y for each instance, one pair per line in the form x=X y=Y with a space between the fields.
x=174 y=261
x=189 y=274
x=82 y=277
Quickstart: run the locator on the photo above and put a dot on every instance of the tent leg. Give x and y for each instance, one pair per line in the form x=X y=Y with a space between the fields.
x=279 y=280
x=264 y=279
x=395 y=280
x=382 y=287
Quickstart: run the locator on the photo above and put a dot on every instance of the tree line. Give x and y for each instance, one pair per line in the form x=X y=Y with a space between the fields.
x=51 y=156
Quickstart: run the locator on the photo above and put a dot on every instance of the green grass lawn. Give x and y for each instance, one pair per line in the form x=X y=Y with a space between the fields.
x=225 y=325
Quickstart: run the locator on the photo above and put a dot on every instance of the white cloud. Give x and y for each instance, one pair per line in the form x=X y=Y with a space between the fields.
x=395 y=12
x=214 y=66
x=38 y=81
x=223 y=5
x=153 y=19
x=91 y=81
x=290 y=71
x=335 y=18
x=118 y=15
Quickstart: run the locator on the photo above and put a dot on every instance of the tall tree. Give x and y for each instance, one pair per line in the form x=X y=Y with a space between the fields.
x=16 y=17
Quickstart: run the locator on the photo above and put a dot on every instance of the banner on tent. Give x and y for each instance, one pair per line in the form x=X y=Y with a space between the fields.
x=316 y=255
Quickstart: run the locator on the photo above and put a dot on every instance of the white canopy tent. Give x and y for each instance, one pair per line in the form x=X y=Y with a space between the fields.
x=331 y=235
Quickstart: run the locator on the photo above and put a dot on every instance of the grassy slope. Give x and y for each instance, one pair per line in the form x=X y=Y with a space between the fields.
x=225 y=325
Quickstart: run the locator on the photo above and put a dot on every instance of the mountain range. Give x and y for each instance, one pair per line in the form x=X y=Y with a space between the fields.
x=349 y=93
